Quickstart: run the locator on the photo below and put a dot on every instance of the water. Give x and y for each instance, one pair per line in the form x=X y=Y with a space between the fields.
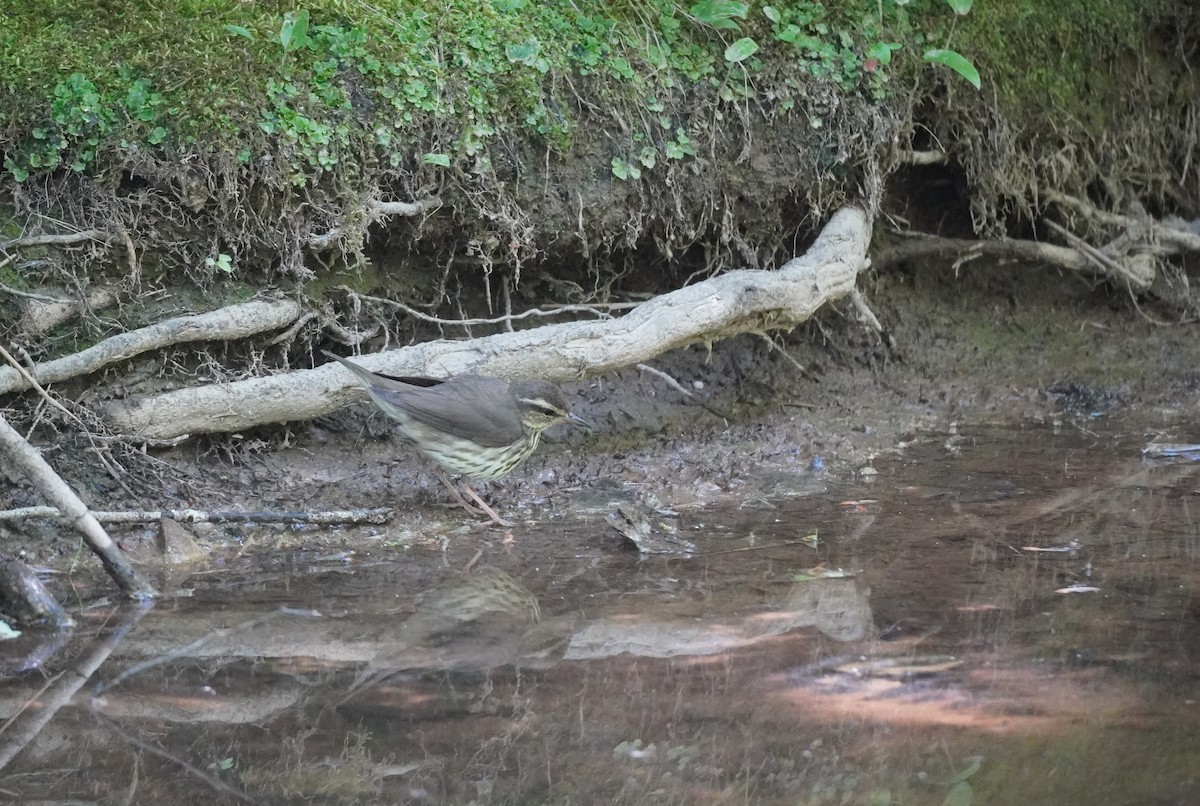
x=886 y=639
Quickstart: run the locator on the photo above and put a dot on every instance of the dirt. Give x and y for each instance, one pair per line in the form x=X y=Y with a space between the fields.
x=987 y=344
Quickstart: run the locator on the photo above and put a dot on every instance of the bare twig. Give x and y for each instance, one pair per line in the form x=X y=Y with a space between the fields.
x=30 y=295
x=377 y=515
x=678 y=387
x=495 y=320
x=291 y=332
x=22 y=456
x=864 y=311
x=57 y=240
x=29 y=379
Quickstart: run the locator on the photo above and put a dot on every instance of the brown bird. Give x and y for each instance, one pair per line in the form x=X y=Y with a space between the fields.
x=478 y=426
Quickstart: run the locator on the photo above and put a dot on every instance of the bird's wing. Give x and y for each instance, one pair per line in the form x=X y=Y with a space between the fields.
x=468 y=407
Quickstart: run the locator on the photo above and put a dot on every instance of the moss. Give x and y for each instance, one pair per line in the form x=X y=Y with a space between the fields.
x=1060 y=59
x=338 y=82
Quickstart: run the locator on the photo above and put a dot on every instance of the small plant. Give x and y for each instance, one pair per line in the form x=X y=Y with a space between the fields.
x=625 y=171
x=222 y=263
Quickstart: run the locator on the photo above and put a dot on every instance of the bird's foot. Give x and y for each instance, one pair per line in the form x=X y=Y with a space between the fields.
x=485 y=509
x=480 y=507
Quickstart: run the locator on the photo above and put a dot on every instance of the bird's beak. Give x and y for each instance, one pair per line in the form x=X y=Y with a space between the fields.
x=575 y=419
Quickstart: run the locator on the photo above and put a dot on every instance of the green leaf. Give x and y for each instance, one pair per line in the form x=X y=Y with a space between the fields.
x=624 y=170
x=883 y=51
x=524 y=53
x=19 y=173
x=222 y=263
x=956 y=62
x=294 y=33
x=718 y=13
x=442 y=160
x=772 y=14
x=157 y=136
x=740 y=50
x=239 y=30
x=961 y=7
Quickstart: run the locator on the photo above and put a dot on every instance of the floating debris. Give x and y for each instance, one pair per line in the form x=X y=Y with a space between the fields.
x=650 y=537
x=918 y=666
x=1070 y=548
x=1170 y=450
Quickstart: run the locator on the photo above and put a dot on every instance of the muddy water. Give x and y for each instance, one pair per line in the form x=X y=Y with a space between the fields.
x=887 y=638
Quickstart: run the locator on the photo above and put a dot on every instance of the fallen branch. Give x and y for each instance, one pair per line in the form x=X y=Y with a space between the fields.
x=745 y=301
x=233 y=322
x=20 y=455
x=335 y=516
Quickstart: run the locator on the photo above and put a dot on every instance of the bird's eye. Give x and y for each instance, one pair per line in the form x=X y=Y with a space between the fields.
x=549 y=412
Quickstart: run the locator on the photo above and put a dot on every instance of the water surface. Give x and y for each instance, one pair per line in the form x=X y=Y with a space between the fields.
x=887 y=638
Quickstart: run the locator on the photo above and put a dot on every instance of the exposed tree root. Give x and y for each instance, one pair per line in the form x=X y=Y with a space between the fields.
x=375 y=212
x=63 y=239
x=746 y=301
x=45 y=313
x=964 y=250
x=1131 y=257
x=233 y=322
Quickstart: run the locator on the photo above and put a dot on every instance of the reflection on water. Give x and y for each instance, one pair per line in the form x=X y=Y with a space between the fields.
x=925 y=650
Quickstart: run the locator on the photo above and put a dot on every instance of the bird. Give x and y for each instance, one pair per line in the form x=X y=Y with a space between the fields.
x=473 y=425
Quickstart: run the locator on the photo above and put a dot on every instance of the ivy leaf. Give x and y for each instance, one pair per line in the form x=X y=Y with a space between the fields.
x=239 y=30
x=524 y=53
x=956 y=62
x=741 y=50
x=961 y=7
x=772 y=14
x=442 y=160
x=624 y=171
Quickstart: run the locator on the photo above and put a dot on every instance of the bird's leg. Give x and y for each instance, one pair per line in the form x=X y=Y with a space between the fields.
x=479 y=508
x=491 y=513
x=458 y=497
